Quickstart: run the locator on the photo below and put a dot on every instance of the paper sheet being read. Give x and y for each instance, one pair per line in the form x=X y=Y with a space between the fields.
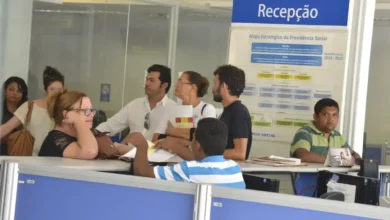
x=153 y=154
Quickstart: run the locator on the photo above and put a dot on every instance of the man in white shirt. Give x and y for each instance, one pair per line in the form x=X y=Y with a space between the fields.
x=144 y=114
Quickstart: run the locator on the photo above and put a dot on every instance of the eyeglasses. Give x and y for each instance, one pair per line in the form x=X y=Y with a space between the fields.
x=87 y=111
x=147 y=121
x=183 y=83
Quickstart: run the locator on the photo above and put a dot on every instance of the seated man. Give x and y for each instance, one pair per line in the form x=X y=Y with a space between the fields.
x=210 y=167
x=311 y=142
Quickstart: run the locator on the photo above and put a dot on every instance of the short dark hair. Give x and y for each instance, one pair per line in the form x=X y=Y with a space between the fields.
x=320 y=105
x=212 y=135
x=233 y=77
x=51 y=75
x=165 y=74
x=201 y=82
x=22 y=86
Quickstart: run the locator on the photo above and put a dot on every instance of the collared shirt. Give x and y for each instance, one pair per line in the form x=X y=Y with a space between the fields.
x=310 y=138
x=211 y=170
x=133 y=116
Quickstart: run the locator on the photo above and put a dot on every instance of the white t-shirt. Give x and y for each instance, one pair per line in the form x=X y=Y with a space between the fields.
x=40 y=124
x=208 y=112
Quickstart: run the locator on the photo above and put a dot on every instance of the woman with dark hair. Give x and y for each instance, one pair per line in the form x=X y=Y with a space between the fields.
x=15 y=94
x=40 y=123
x=190 y=87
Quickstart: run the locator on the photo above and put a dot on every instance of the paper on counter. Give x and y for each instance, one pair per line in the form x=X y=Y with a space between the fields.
x=153 y=154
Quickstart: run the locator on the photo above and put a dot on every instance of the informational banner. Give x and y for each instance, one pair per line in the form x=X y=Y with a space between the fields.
x=293 y=54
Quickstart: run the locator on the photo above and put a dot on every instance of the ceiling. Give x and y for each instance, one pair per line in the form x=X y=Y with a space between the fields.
x=381 y=4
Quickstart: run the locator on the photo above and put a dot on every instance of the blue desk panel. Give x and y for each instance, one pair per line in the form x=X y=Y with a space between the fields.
x=63 y=199
x=230 y=209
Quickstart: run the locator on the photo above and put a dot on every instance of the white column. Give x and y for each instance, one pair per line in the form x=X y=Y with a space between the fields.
x=15 y=29
x=362 y=23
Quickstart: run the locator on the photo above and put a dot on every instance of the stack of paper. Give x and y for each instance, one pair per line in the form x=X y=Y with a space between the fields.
x=153 y=154
x=277 y=161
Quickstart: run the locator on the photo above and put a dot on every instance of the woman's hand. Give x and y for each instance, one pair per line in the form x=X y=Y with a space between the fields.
x=167 y=144
x=72 y=117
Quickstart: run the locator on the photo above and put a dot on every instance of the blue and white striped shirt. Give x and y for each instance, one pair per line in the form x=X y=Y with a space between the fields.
x=211 y=170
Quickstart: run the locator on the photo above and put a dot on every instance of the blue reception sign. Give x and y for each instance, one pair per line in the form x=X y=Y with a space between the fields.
x=292 y=12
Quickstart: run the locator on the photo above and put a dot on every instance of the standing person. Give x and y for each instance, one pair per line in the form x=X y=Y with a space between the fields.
x=144 y=114
x=40 y=123
x=229 y=83
x=190 y=87
x=15 y=94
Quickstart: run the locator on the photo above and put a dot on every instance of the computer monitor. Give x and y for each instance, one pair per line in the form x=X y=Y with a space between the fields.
x=367 y=189
x=255 y=182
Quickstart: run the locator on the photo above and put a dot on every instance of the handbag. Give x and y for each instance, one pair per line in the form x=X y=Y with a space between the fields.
x=106 y=149
x=21 y=142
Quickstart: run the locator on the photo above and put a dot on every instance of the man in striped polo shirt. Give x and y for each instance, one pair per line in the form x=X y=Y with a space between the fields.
x=311 y=142
x=209 y=167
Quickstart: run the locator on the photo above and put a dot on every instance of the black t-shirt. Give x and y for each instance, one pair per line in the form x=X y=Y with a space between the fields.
x=55 y=144
x=238 y=120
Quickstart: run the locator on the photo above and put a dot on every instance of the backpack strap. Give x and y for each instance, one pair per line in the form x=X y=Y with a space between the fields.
x=29 y=112
x=204 y=106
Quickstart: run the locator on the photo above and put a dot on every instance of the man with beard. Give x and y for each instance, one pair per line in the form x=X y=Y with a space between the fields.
x=312 y=142
x=229 y=83
x=144 y=114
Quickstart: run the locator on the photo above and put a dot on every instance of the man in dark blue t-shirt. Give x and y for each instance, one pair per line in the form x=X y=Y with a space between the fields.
x=229 y=83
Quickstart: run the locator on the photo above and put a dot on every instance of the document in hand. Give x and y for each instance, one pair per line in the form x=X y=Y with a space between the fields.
x=181 y=116
x=154 y=155
x=277 y=161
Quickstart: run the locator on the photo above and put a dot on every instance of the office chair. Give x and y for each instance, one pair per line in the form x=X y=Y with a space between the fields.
x=337 y=196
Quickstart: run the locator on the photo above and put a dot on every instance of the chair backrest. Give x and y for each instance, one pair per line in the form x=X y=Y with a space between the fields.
x=99 y=117
x=337 y=196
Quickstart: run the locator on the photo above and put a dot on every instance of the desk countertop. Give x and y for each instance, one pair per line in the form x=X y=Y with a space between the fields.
x=118 y=165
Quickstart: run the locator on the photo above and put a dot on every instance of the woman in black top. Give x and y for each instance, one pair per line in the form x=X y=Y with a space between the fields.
x=72 y=138
x=15 y=94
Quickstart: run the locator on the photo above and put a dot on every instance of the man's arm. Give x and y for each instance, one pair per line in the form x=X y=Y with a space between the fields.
x=300 y=148
x=240 y=128
x=309 y=157
x=177 y=146
x=141 y=162
x=116 y=123
x=239 y=150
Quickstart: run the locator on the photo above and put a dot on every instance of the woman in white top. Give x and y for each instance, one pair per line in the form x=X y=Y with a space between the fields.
x=40 y=123
x=190 y=87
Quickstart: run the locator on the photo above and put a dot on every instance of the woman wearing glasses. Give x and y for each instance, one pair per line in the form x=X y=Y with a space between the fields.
x=40 y=123
x=71 y=138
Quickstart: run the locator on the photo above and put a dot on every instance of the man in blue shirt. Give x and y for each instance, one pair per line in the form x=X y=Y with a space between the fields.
x=209 y=167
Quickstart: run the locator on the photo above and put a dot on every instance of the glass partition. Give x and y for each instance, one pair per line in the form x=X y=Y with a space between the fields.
x=102 y=49
x=148 y=44
x=202 y=43
x=86 y=43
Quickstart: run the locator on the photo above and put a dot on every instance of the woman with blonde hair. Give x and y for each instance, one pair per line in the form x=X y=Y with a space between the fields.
x=73 y=115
